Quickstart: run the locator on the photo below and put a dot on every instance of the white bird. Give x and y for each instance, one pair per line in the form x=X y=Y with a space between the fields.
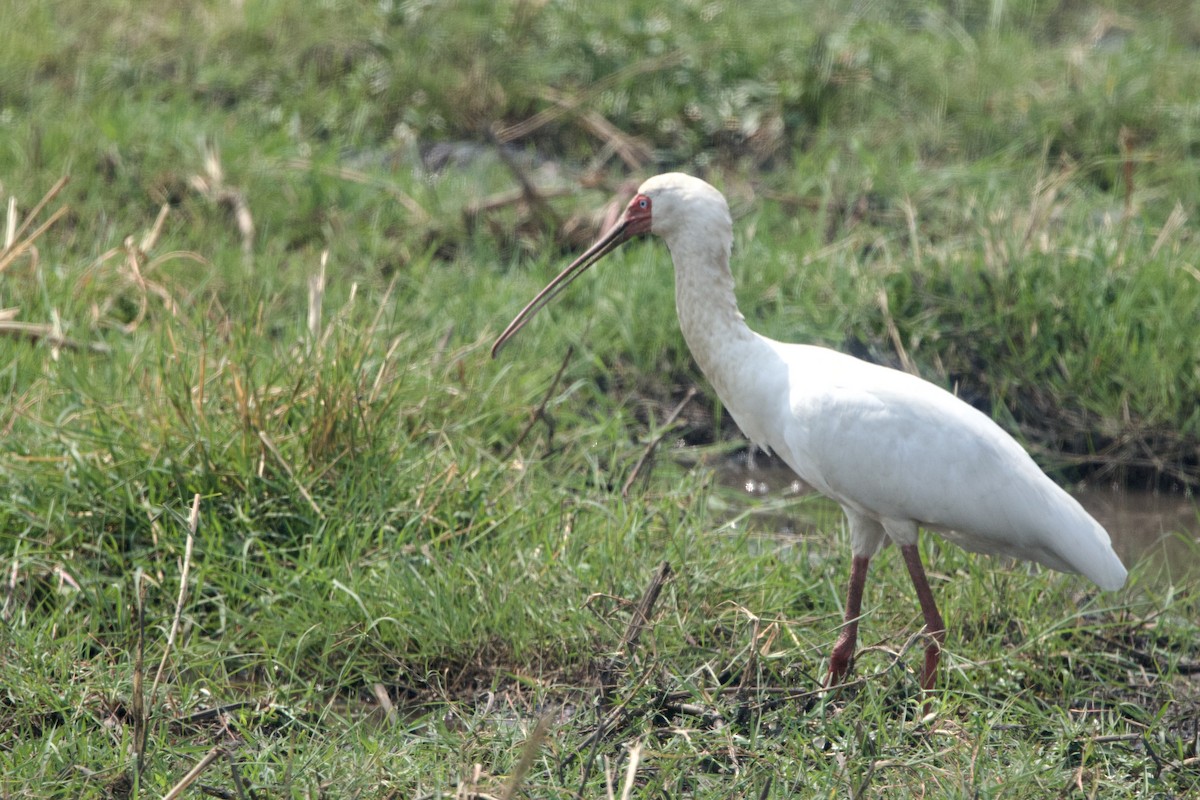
x=896 y=452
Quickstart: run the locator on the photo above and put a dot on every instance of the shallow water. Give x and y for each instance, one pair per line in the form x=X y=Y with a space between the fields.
x=1160 y=530
x=1163 y=526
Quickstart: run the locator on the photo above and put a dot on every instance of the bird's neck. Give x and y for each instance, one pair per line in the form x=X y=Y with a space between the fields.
x=714 y=328
x=743 y=367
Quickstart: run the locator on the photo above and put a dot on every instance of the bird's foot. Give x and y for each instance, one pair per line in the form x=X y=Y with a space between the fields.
x=841 y=660
x=933 y=655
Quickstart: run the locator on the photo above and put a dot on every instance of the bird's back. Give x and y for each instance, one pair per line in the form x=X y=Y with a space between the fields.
x=898 y=448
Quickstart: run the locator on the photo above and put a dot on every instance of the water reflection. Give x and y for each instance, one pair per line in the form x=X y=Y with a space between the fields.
x=1163 y=527
x=1143 y=524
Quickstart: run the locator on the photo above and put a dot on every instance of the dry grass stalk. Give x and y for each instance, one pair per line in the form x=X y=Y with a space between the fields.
x=1172 y=226
x=193 y=524
x=385 y=702
x=287 y=468
x=14 y=245
x=635 y=153
x=137 y=265
x=1041 y=203
x=49 y=333
x=138 y=703
x=194 y=773
x=211 y=185
x=894 y=333
x=316 y=297
x=522 y=129
x=420 y=215
x=528 y=752
x=512 y=197
x=635 y=758
x=10 y=223
x=17 y=244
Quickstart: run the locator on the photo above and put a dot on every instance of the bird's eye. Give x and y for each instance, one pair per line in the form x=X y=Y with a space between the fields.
x=643 y=203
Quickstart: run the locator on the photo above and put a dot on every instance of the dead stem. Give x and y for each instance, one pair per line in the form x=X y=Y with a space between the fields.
x=540 y=411
x=649 y=451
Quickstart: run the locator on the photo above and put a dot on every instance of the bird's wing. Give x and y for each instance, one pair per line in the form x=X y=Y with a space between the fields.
x=896 y=447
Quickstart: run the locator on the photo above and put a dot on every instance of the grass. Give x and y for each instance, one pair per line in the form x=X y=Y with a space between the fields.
x=264 y=293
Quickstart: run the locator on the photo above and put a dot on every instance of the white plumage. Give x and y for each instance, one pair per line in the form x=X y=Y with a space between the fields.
x=896 y=452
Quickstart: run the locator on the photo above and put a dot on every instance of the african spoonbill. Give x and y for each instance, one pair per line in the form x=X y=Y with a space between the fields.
x=896 y=452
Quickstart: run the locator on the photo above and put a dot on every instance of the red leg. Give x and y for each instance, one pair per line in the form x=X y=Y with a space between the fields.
x=842 y=657
x=934 y=625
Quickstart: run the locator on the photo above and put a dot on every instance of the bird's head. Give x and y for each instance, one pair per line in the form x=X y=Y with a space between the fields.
x=667 y=205
x=675 y=203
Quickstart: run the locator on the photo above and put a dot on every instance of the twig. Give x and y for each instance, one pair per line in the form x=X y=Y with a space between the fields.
x=608 y=722
x=540 y=411
x=1116 y=737
x=139 y=700
x=530 y=192
x=752 y=655
x=709 y=715
x=866 y=781
x=385 y=702
x=564 y=106
x=649 y=451
x=236 y=775
x=512 y=196
x=207 y=714
x=637 y=623
x=37 y=331
x=194 y=772
x=641 y=615
x=633 y=152
x=1158 y=762
x=193 y=524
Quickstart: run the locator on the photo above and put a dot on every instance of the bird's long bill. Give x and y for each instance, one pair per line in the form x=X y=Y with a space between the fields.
x=616 y=235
